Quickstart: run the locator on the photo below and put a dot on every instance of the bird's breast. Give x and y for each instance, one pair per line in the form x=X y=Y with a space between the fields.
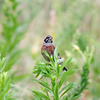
x=48 y=49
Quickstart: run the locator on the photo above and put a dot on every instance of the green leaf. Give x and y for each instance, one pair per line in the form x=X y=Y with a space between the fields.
x=50 y=58
x=40 y=94
x=19 y=77
x=43 y=69
x=71 y=85
x=2 y=64
x=52 y=61
x=56 y=95
x=46 y=53
x=48 y=68
x=38 y=74
x=64 y=97
x=65 y=87
x=43 y=84
x=53 y=84
x=58 y=68
x=12 y=99
x=8 y=96
x=8 y=82
x=6 y=90
x=74 y=98
x=56 y=54
x=67 y=61
x=69 y=72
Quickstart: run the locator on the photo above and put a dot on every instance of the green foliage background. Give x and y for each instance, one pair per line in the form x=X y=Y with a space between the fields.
x=25 y=23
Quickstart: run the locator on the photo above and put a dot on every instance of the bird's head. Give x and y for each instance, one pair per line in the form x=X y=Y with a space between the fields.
x=48 y=39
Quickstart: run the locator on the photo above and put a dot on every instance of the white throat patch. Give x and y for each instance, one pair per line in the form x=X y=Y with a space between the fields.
x=47 y=44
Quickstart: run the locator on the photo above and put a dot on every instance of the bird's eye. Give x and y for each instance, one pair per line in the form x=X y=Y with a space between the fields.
x=46 y=39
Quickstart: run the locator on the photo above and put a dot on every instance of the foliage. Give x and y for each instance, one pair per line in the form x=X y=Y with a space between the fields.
x=88 y=59
x=68 y=21
x=5 y=84
x=12 y=33
x=53 y=71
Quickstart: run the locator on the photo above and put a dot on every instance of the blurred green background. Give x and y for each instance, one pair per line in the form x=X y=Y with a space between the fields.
x=23 y=26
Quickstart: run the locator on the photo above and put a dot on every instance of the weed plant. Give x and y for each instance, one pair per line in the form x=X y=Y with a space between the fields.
x=54 y=72
x=5 y=82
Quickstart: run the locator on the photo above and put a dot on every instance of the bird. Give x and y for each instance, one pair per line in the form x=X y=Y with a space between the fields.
x=49 y=48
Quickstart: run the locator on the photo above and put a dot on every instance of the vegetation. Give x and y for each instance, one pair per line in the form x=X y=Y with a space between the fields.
x=4 y=82
x=53 y=71
x=74 y=26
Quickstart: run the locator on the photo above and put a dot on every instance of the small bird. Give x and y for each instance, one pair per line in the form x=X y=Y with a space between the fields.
x=49 y=48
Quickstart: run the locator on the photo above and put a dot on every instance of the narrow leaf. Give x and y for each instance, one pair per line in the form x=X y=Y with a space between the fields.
x=65 y=87
x=42 y=83
x=74 y=98
x=70 y=87
x=56 y=92
x=67 y=61
x=40 y=95
x=46 y=53
x=69 y=72
x=56 y=53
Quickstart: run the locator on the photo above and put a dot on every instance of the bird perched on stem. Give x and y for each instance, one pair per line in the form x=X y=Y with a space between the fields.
x=49 y=48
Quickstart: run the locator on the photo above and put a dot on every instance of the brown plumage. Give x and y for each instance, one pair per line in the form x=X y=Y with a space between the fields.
x=48 y=49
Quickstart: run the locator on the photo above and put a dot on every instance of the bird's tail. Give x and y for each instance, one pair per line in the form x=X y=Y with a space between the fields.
x=65 y=69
